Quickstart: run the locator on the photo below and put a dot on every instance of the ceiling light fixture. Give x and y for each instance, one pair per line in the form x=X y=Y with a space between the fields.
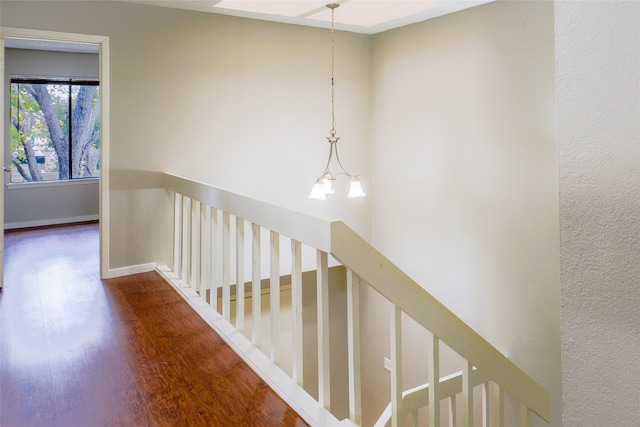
x=324 y=183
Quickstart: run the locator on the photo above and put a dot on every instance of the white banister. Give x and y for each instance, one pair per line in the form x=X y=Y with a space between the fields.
x=296 y=308
x=274 y=295
x=353 y=347
x=202 y=247
x=322 y=300
x=418 y=397
x=256 y=291
x=310 y=230
x=395 y=285
x=397 y=410
x=240 y=274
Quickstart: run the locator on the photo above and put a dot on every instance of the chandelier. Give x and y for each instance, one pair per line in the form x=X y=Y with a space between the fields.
x=324 y=183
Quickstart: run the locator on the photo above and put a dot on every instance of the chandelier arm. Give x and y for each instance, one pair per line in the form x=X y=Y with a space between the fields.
x=344 y=171
x=326 y=168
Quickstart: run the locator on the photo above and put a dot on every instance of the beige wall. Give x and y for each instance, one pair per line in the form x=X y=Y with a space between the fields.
x=461 y=169
x=465 y=178
x=211 y=97
x=598 y=74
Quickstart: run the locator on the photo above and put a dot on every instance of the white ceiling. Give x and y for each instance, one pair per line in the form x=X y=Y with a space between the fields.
x=360 y=16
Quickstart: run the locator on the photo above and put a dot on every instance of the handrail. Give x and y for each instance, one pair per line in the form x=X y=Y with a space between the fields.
x=418 y=397
x=395 y=285
x=304 y=228
x=361 y=258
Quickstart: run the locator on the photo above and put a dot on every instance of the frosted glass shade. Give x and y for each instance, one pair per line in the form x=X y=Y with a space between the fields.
x=327 y=186
x=356 y=189
x=317 y=193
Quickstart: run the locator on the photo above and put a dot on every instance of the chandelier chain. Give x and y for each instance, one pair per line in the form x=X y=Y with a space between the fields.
x=333 y=107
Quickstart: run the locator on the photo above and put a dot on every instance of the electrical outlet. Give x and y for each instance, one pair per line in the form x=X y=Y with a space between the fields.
x=387 y=364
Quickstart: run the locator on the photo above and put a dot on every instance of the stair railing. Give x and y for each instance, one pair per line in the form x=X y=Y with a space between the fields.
x=203 y=218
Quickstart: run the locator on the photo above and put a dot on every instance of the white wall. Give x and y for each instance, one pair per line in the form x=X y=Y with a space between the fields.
x=51 y=203
x=211 y=97
x=465 y=178
x=598 y=88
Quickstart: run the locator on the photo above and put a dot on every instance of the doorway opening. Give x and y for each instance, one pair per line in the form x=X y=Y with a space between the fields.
x=66 y=44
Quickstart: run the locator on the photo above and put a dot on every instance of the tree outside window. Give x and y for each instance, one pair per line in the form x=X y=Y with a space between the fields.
x=55 y=130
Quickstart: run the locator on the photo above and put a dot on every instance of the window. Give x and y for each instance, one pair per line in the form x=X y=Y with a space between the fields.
x=55 y=129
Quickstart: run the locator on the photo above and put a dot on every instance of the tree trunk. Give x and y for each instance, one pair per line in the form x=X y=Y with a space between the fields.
x=83 y=120
x=58 y=137
x=24 y=132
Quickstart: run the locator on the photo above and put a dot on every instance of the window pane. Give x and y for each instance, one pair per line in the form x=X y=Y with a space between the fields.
x=40 y=131
x=85 y=139
x=35 y=107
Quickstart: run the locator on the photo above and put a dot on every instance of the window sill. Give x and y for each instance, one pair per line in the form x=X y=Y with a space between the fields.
x=41 y=184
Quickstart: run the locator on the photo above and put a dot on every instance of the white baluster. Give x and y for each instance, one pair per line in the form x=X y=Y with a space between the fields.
x=525 y=416
x=467 y=395
x=226 y=265
x=322 y=290
x=434 y=379
x=396 y=367
x=256 y=291
x=240 y=274
x=215 y=259
x=204 y=250
x=498 y=405
x=453 y=422
x=177 y=234
x=274 y=301
x=296 y=308
x=195 y=245
x=485 y=405
x=353 y=342
x=186 y=234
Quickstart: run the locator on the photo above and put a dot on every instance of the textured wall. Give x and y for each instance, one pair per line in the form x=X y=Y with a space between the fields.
x=598 y=90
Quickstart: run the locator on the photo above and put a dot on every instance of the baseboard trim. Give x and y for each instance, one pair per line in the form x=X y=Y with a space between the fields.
x=132 y=269
x=51 y=221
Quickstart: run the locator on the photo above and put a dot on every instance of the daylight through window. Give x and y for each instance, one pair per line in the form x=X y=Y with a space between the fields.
x=55 y=129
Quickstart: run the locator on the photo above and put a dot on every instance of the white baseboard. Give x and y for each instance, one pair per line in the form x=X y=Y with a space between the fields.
x=132 y=269
x=53 y=221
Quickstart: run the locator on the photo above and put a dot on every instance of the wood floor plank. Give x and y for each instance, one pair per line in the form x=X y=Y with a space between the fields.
x=79 y=351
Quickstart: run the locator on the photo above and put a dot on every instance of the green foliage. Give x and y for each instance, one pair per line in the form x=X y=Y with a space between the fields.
x=31 y=138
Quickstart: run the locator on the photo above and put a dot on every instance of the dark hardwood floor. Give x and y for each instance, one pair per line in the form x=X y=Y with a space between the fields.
x=79 y=351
